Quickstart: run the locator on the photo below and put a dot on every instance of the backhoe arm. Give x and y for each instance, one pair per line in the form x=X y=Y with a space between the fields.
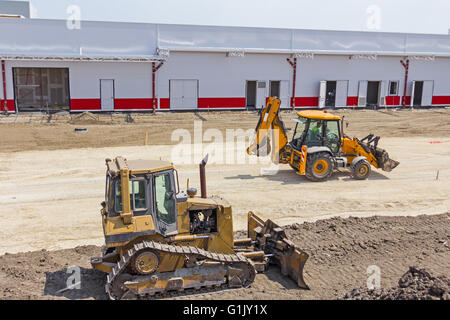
x=269 y=122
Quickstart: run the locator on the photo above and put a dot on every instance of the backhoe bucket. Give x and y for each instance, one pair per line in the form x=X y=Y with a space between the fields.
x=270 y=238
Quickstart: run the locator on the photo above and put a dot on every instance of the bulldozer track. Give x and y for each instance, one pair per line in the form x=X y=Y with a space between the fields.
x=187 y=251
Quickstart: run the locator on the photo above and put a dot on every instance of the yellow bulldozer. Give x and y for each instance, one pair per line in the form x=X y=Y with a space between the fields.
x=162 y=242
x=319 y=145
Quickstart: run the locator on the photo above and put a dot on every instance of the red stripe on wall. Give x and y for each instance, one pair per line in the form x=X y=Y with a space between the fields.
x=307 y=101
x=393 y=101
x=213 y=103
x=85 y=104
x=408 y=101
x=441 y=100
x=221 y=103
x=164 y=103
x=352 y=101
x=130 y=104
x=10 y=105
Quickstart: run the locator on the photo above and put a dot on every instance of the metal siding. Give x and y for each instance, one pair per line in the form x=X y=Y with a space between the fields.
x=341 y=93
x=329 y=67
x=107 y=94
x=427 y=95
x=222 y=79
x=432 y=70
x=52 y=37
x=15 y=8
x=220 y=76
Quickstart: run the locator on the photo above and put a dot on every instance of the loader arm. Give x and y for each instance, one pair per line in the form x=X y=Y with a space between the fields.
x=377 y=157
x=269 y=123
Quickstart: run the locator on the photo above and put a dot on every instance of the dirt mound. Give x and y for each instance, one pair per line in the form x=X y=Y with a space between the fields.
x=415 y=284
x=340 y=252
x=45 y=274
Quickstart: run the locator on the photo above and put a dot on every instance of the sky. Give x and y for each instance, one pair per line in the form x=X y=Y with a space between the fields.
x=415 y=16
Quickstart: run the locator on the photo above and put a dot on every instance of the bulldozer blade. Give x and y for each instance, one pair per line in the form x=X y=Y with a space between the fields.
x=270 y=238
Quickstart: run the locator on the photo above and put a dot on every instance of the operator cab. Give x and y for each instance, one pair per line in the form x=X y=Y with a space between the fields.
x=152 y=188
x=317 y=129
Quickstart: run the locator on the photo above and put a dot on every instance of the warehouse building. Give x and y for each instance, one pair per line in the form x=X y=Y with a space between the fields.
x=111 y=67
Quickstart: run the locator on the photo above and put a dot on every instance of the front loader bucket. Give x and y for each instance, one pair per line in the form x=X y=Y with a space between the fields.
x=270 y=238
x=390 y=165
x=384 y=162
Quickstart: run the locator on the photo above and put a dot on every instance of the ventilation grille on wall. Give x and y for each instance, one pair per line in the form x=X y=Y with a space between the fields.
x=362 y=101
x=261 y=84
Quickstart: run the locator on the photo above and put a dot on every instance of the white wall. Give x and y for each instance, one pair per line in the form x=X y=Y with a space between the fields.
x=437 y=70
x=311 y=71
x=221 y=76
x=132 y=80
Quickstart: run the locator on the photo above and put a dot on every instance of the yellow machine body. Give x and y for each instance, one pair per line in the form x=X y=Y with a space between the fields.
x=317 y=157
x=159 y=239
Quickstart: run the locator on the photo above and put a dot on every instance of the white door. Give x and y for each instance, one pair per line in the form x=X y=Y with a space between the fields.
x=107 y=95
x=284 y=94
x=261 y=94
x=322 y=94
x=341 y=93
x=183 y=94
x=382 y=94
x=362 y=93
x=413 y=90
x=427 y=93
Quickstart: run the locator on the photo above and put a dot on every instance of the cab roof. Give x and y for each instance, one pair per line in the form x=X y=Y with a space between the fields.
x=138 y=166
x=318 y=114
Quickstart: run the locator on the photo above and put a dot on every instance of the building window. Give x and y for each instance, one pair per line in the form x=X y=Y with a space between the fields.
x=40 y=89
x=393 y=88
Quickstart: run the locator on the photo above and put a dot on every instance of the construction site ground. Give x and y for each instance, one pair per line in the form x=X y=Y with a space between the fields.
x=52 y=182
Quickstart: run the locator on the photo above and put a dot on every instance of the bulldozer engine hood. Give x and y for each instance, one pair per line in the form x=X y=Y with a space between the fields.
x=117 y=232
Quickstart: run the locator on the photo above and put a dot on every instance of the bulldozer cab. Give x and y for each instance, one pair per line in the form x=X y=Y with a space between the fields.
x=317 y=129
x=142 y=189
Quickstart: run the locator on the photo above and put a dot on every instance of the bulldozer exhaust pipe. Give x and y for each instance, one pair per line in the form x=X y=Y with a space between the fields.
x=203 y=177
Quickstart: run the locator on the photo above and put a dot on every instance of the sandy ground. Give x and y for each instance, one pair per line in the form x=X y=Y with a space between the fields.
x=51 y=192
x=52 y=183
x=341 y=251
x=51 y=199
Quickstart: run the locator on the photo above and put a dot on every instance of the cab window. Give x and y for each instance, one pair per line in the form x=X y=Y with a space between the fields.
x=165 y=198
x=314 y=136
x=299 y=131
x=138 y=199
x=332 y=140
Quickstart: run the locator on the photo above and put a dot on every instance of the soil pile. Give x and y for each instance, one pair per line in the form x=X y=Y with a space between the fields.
x=415 y=284
x=340 y=252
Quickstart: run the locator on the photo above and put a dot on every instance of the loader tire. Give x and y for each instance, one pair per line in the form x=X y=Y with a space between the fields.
x=361 y=170
x=319 y=166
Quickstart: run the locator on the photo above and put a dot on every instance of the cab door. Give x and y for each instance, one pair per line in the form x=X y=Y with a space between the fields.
x=332 y=137
x=165 y=203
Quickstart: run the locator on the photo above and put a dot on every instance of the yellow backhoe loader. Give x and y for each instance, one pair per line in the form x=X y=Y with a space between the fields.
x=161 y=242
x=318 y=146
